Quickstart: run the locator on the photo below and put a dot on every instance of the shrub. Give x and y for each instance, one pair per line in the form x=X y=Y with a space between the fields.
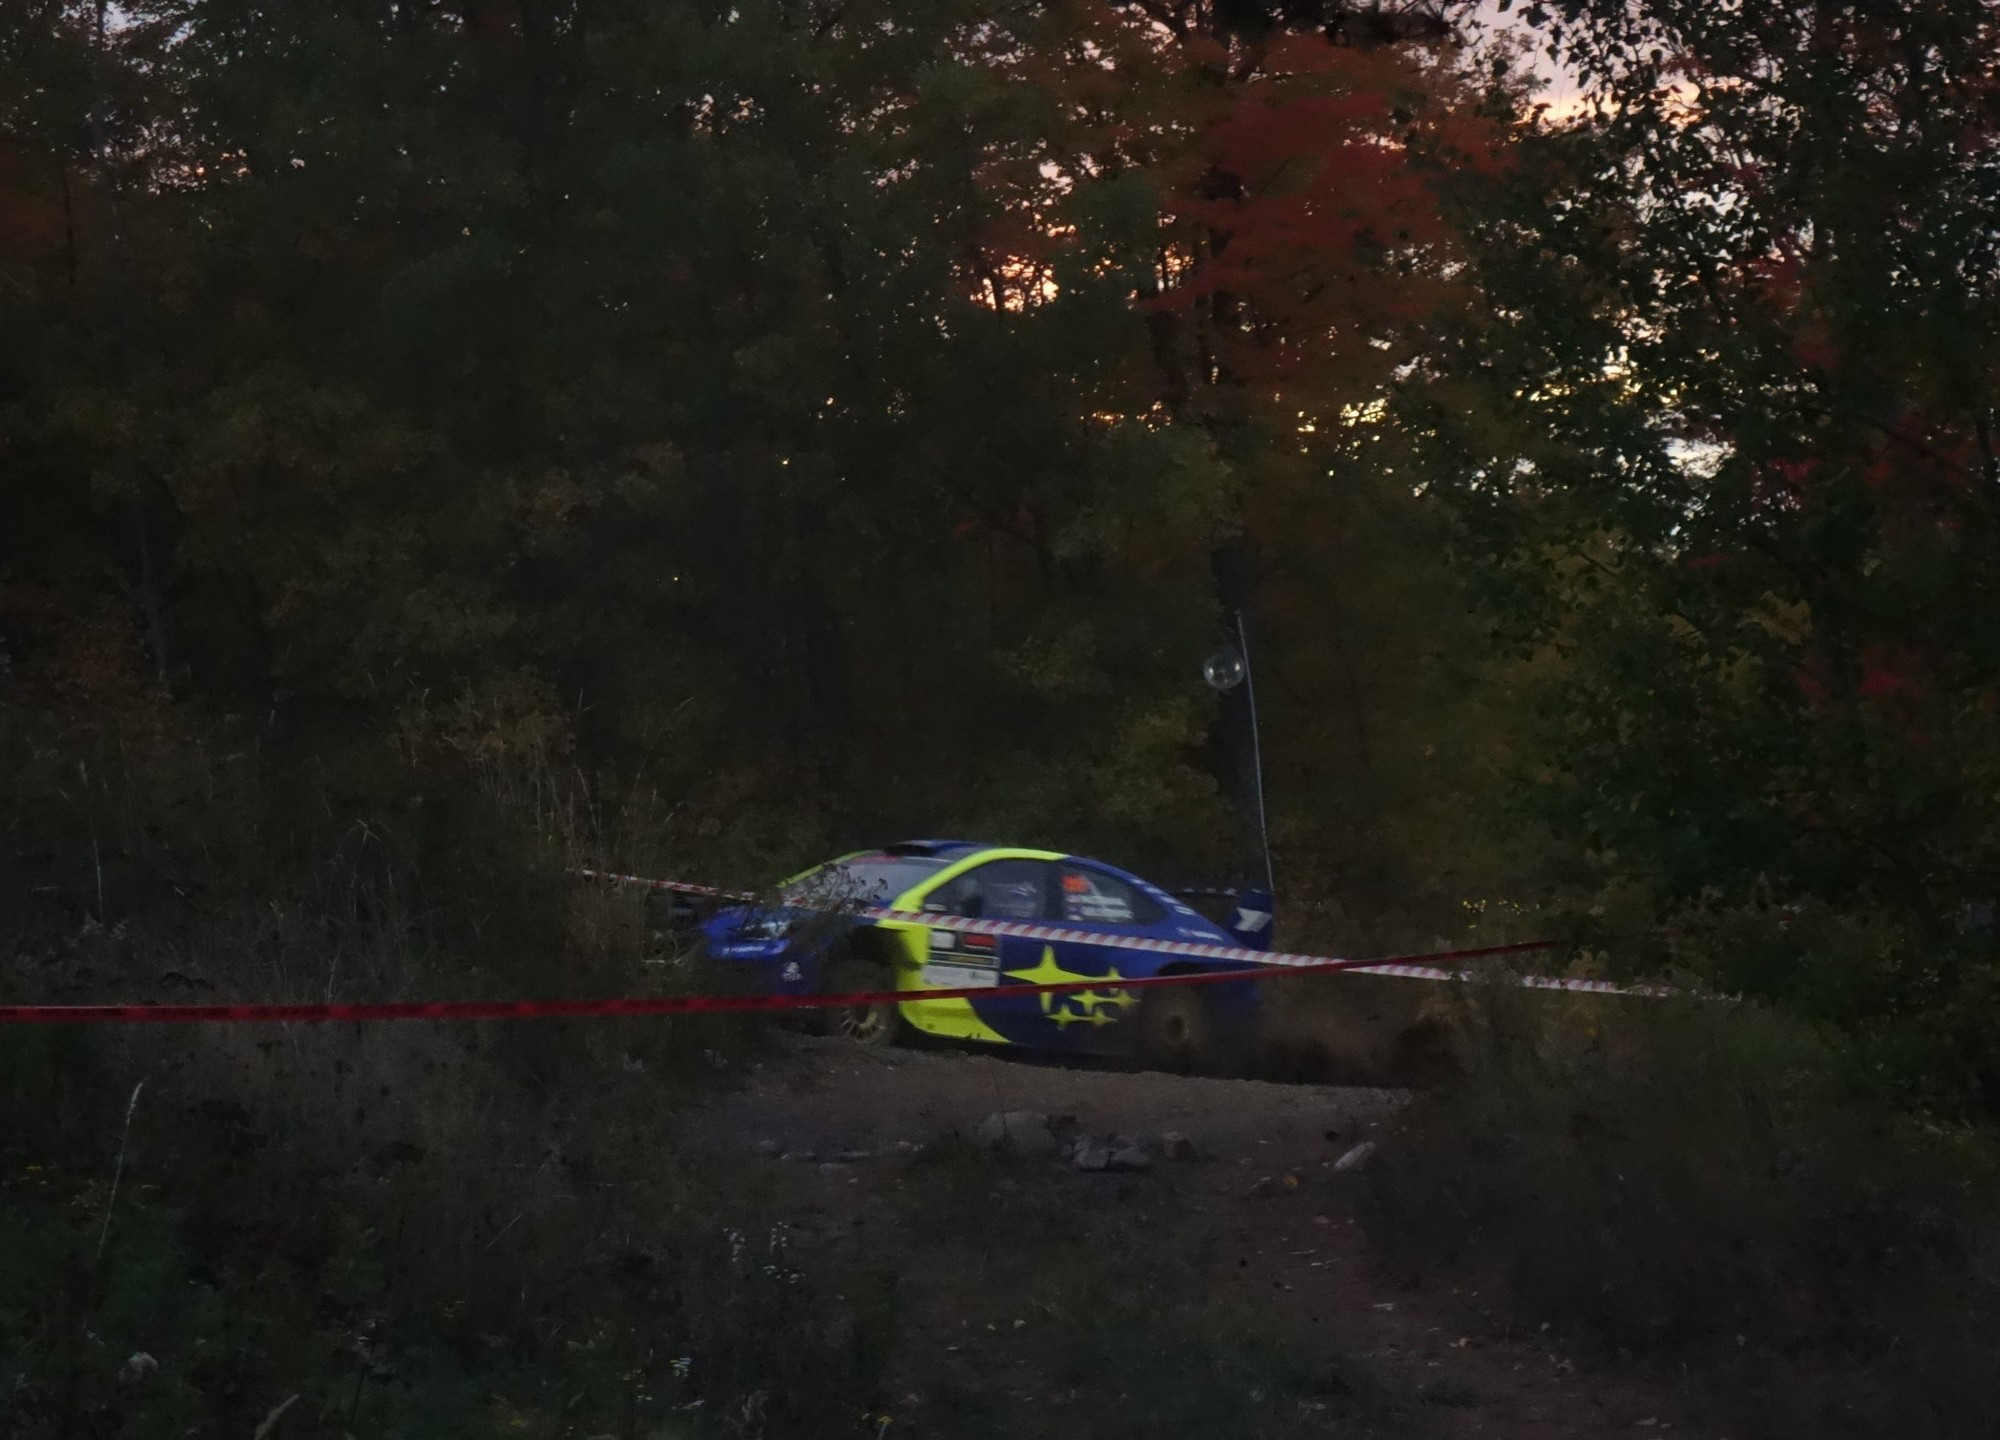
x=412 y=1230
x=1695 y=1182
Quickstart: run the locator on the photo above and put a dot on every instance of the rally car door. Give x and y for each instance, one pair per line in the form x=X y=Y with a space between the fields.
x=1088 y=898
x=1080 y=898
x=1002 y=889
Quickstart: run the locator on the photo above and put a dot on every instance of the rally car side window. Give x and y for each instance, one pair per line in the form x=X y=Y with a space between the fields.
x=997 y=890
x=1091 y=895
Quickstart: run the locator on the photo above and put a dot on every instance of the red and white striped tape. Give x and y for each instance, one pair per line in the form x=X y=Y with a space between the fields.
x=1196 y=950
x=1269 y=966
x=677 y=887
x=1191 y=949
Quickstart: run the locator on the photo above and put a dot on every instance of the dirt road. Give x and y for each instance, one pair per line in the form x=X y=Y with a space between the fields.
x=1006 y=1263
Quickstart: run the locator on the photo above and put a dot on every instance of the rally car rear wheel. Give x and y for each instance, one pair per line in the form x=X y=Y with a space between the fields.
x=871 y=1025
x=1176 y=1030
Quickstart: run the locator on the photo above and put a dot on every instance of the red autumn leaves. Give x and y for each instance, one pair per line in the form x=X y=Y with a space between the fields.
x=1298 y=211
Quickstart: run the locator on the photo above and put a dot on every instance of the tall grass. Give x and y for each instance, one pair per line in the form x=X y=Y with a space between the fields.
x=413 y=1229
x=1696 y=1185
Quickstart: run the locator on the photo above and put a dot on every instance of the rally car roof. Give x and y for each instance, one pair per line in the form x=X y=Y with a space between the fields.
x=937 y=849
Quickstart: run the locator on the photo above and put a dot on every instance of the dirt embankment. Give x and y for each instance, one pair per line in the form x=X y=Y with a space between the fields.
x=1009 y=1268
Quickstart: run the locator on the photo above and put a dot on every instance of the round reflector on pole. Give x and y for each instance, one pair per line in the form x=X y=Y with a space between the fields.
x=1224 y=670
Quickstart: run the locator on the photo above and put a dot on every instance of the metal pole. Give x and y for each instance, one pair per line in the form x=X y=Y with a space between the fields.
x=1256 y=752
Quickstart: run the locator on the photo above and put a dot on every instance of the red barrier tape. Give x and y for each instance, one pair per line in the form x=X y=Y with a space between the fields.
x=669 y=1004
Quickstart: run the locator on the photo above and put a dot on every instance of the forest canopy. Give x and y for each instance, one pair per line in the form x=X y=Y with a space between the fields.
x=842 y=420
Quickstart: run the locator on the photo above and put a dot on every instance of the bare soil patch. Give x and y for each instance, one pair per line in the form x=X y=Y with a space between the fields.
x=1001 y=1263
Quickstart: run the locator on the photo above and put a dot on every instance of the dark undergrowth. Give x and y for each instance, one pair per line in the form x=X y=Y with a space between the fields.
x=1698 y=1188
x=409 y=1230
x=429 y=1231
x=511 y=1261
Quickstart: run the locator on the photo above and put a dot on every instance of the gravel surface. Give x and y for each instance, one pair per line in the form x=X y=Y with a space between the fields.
x=1261 y=1197
x=829 y=1096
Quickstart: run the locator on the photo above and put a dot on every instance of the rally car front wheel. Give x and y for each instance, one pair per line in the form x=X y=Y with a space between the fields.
x=873 y=1025
x=1176 y=1030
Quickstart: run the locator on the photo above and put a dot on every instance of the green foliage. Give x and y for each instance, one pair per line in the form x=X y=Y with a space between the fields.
x=696 y=1326
x=747 y=402
x=416 y=1231
x=632 y=390
x=439 y=444
x=1723 y=459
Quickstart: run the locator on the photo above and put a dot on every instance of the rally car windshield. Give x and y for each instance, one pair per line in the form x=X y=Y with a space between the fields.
x=867 y=879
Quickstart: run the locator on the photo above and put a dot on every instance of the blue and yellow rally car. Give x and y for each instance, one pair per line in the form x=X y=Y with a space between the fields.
x=811 y=940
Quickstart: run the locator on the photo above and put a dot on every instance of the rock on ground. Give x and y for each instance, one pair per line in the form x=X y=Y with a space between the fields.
x=1026 y=1132
x=1357 y=1157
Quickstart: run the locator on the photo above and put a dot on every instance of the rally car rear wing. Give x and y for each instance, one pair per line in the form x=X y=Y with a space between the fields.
x=1246 y=913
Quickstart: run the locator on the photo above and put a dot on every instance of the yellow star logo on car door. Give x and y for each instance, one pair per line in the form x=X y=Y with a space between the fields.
x=1086 y=1007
